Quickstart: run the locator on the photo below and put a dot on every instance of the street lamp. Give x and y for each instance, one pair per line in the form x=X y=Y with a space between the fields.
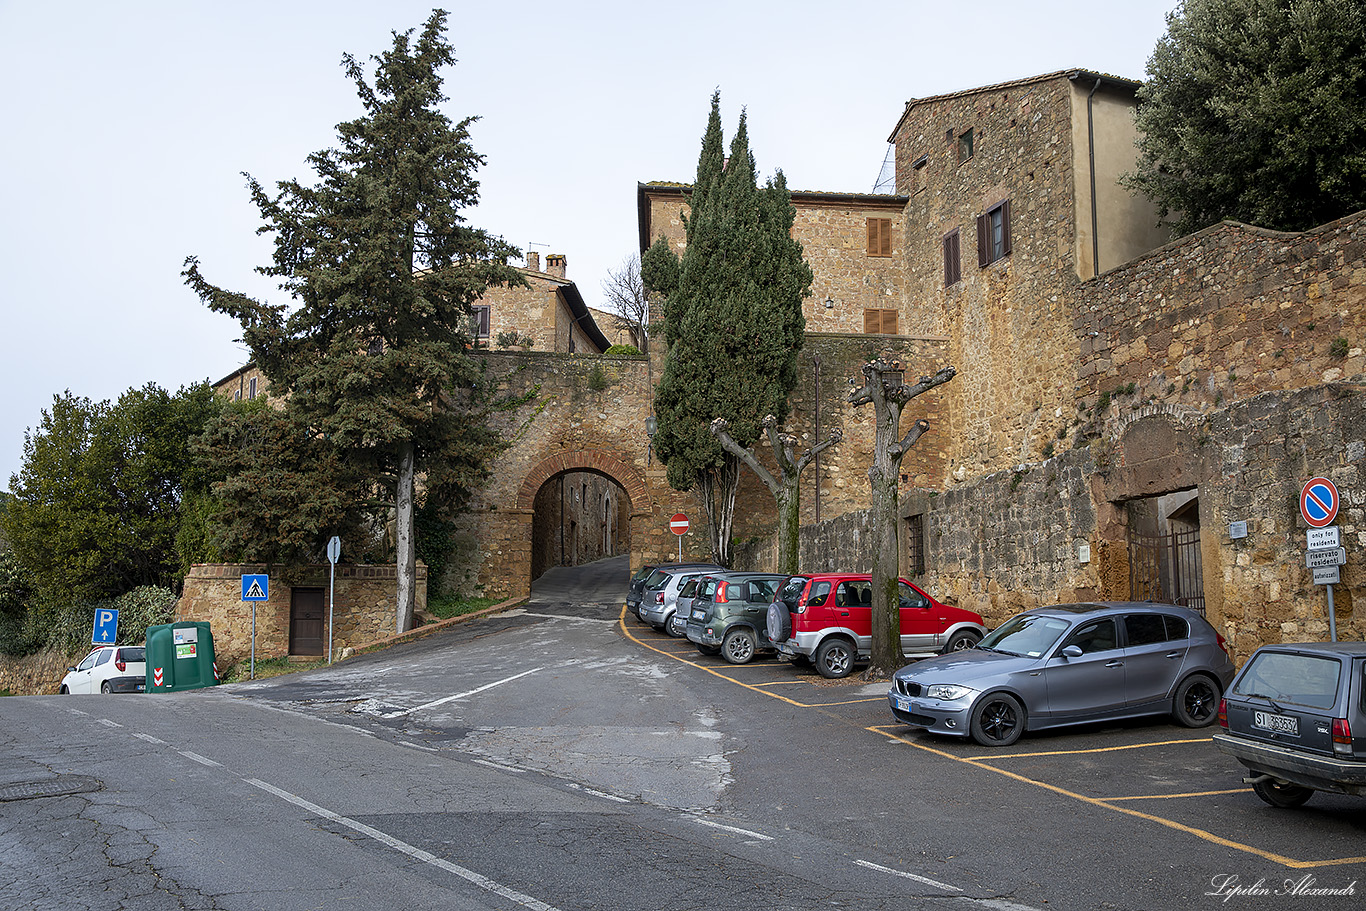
x=651 y=427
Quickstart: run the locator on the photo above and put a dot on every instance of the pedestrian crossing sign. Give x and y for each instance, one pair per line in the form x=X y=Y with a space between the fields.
x=255 y=588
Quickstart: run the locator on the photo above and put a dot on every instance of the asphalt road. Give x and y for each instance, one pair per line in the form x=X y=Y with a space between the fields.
x=560 y=757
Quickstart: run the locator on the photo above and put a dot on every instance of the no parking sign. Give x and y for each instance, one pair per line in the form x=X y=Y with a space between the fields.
x=1319 y=502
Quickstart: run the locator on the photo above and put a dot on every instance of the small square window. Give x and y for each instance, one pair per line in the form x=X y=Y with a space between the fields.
x=879 y=237
x=964 y=146
x=879 y=321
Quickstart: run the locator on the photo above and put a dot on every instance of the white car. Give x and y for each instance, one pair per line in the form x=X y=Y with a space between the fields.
x=109 y=669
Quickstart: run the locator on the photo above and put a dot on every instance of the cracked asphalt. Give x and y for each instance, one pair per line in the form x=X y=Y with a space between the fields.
x=554 y=758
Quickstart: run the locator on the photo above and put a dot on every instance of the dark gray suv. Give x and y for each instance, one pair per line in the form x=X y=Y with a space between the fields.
x=1296 y=717
x=730 y=614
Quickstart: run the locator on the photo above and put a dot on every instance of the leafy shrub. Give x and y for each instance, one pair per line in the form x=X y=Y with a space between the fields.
x=622 y=350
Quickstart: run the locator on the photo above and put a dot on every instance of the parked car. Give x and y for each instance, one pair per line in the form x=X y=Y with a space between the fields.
x=108 y=669
x=637 y=588
x=657 y=602
x=1296 y=717
x=828 y=618
x=729 y=614
x=677 y=624
x=1069 y=664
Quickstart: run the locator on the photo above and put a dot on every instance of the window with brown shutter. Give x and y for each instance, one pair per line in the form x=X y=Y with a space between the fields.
x=993 y=234
x=953 y=269
x=879 y=237
x=879 y=322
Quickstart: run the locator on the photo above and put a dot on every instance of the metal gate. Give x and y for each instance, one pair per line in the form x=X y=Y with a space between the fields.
x=1167 y=568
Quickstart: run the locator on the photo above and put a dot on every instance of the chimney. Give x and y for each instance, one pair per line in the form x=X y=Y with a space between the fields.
x=533 y=261
x=554 y=264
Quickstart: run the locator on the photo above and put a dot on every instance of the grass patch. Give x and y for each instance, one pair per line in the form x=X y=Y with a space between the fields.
x=270 y=667
x=448 y=607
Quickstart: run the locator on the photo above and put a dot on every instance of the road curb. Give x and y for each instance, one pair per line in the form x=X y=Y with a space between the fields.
x=429 y=628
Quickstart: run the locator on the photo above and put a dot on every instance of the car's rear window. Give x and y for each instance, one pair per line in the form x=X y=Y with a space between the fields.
x=657 y=579
x=133 y=653
x=1310 y=680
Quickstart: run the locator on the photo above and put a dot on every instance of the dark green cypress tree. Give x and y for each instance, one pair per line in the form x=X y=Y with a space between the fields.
x=734 y=324
x=383 y=268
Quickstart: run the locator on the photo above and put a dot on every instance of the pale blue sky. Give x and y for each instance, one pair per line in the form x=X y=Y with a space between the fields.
x=126 y=127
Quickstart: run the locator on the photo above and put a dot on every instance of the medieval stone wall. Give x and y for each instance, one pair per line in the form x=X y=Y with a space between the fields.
x=36 y=675
x=1226 y=313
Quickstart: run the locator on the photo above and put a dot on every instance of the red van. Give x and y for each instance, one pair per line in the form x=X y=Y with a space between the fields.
x=827 y=618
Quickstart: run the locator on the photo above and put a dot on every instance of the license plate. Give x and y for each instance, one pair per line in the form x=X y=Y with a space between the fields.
x=1279 y=724
x=902 y=702
x=699 y=615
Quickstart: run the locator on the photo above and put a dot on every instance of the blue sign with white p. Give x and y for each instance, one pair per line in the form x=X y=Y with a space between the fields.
x=106 y=626
x=256 y=588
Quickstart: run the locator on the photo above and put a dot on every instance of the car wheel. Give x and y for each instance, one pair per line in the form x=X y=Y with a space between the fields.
x=779 y=622
x=998 y=720
x=676 y=626
x=64 y=691
x=960 y=641
x=709 y=649
x=835 y=658
x=738 y=647
x=1286 y=796
x=106 y=688
x=1196 y=702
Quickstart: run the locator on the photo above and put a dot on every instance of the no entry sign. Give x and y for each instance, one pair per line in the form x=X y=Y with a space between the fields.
x=678 y=524
x=1319 y=502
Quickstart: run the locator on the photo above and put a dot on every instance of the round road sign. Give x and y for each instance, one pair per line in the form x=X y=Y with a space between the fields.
x=678 y=524
x=1319 y=502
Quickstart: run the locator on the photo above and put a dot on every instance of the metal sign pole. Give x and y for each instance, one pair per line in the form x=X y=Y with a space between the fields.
x=253 y=640
x=331 y=599
x=1332 y=615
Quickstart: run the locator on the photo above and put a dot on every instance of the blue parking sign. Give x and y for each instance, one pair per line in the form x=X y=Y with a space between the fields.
x=256 y=588
x=106 y=626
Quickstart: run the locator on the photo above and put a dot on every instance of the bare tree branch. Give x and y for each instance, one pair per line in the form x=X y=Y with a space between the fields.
x=630 y=304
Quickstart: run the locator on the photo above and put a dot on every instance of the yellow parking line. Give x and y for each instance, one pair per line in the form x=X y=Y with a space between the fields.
x=1170 y=796
x=1132 y=746
x=1098 y=802
x=980 y=762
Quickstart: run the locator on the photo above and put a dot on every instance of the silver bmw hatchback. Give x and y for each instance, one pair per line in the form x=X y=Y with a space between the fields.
x=1069 y=664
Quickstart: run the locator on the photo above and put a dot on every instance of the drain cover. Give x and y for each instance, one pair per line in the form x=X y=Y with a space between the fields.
x=50 y=787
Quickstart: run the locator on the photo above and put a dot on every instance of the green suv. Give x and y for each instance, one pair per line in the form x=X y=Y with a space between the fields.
x=730 y=614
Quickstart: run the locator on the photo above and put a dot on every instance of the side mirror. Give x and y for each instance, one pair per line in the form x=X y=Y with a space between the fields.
x=72 y=668
x=1072 y=651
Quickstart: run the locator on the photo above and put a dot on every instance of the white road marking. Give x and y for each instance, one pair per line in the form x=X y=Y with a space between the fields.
x=482 y=882
x=443 y=701
x=149 y=738
x=202 y=760
x=418 y=746
x=498 y=765
x=602 y=794
x=920 y=879
x=109 y=724
x=716 y=825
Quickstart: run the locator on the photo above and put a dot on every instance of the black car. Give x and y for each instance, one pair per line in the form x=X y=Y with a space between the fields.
x=730 y=614
x=1296 y=717
x=637 y=588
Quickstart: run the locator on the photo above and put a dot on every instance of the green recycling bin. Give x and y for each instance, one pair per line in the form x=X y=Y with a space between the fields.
x=180 y=657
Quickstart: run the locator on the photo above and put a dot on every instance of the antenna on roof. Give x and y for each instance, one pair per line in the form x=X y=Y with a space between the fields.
x=886 y=178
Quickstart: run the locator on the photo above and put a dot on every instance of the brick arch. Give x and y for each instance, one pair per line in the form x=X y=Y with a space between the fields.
x=624 y=473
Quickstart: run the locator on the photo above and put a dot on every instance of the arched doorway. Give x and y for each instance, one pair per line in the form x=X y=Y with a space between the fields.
x=581 y=507
x=578 y=517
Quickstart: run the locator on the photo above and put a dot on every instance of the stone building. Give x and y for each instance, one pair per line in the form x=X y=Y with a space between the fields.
x=1132 y=417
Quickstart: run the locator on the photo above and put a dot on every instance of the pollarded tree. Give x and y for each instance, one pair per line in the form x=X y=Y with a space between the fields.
x=734 y=323
x=884 y=389
x=786 y=487
x=1253 y=111
x=373 y=357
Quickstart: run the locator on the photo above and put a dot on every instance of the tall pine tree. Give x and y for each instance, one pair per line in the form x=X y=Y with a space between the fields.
x=734 y=324
x=383 y=270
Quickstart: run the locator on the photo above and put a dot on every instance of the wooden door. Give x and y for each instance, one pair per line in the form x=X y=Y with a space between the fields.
x=306 y=621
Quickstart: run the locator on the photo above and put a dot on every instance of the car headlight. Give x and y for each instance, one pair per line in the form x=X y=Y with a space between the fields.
x=946 y=691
